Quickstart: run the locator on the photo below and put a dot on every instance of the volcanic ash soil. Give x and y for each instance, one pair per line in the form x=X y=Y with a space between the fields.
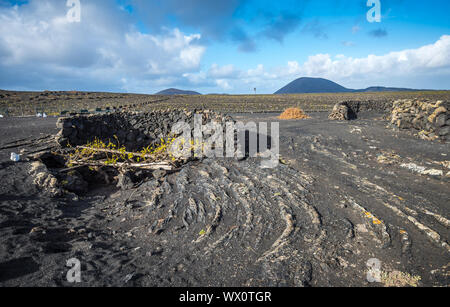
x=340 y=197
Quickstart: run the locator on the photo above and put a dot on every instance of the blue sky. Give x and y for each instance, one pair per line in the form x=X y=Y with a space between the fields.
x=227 y=46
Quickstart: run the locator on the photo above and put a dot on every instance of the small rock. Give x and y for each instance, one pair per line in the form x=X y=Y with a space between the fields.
x=444 y=131
x=125 y=181
x=440 y=120
x=158 y=174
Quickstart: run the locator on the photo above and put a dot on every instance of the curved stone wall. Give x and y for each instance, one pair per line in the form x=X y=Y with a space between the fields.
x=133 y=130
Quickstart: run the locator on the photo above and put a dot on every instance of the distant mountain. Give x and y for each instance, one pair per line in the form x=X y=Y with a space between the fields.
x=319 y=85
x=312 y=85
x=174 y=91
x=385 y=89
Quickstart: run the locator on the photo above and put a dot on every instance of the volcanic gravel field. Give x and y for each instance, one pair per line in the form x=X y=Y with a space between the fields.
x=343 y=194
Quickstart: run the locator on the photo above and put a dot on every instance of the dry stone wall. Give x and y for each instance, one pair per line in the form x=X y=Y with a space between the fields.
x=430 y=118
x=364 y=106
x=348 y=110
x=133 y=130
x=342 y=111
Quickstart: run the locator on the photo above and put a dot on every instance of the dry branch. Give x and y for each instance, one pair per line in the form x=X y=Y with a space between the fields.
x=112 y=151
x=151 y=166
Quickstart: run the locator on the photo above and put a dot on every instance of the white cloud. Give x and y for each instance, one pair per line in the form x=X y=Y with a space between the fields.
x=257 y=72
x=40 y=49
x=229 y=77
x=170 y=54
x=402 y=68
x=227 y=71
x=105 y=46
x=434 y=57
x=223 y=84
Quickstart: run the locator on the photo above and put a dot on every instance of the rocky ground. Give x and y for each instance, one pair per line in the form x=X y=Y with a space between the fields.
x=345 y=193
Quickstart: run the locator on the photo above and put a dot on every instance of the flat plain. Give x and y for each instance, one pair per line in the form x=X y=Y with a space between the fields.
x=29 y=103
x=344 y=194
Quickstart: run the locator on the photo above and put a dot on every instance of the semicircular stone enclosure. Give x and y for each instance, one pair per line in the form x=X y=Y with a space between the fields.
x=132 y=130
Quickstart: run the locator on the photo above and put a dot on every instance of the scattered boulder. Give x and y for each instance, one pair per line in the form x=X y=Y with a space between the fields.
x=125 y=180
